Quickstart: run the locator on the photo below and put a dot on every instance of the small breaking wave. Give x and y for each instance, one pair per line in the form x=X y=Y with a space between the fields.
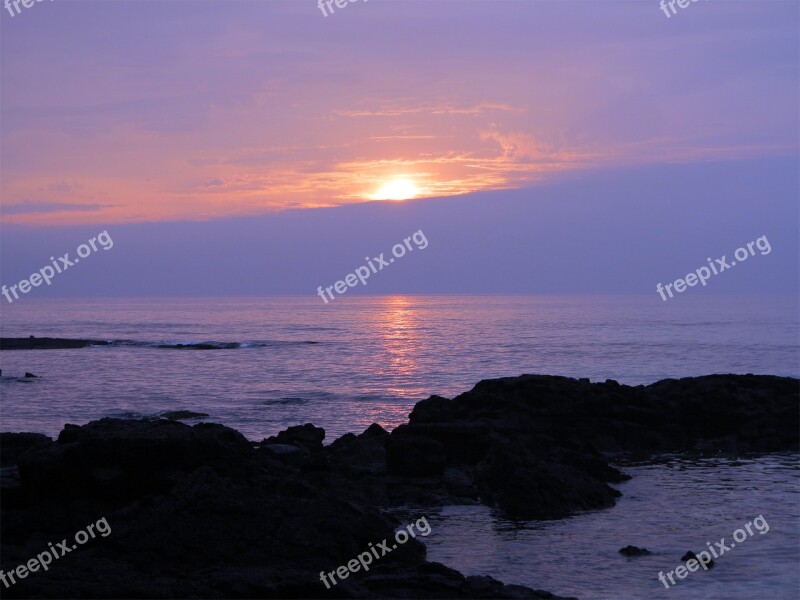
x=286 y=400
x=228 y=345
x=172 y=415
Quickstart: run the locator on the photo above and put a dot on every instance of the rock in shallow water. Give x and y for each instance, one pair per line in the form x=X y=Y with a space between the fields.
x=540 y=453
x=692 y=556
x=634 y=551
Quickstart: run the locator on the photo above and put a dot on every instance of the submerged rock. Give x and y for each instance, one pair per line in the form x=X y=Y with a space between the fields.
x=692 y=556
x=634 y=551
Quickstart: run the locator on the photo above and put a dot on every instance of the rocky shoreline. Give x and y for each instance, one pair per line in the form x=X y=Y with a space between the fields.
x=200 y=511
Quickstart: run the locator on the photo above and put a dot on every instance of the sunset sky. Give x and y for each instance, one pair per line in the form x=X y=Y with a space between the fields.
x=152 y=111
x=531 y=134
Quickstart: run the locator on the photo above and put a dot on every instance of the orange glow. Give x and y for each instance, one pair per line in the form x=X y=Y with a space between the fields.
x=397 y=189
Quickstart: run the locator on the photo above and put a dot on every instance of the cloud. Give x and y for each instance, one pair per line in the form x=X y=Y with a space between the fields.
x=436 y=109
x=33 y=207
x=63 y=187
x=261 y=107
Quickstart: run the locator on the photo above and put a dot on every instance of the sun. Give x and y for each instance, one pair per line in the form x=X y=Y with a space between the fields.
x=397 y=189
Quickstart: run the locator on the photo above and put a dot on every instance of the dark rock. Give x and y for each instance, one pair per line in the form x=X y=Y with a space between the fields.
x=536 y=441
x=634 y=551
x=434 y=580
x=199 y=512
x=288 y=454
x=305 y=436
x=414 y=455
x=433 y=410
x=202 y=512
x=283 y=449
x=691 y=555
x=374 y=431
x=32 y=343
x=361 y=455
x=525 y=486
x=11 y=492
x=148 y=453
x=178 y=415
x=463 y=443
x=12 y=445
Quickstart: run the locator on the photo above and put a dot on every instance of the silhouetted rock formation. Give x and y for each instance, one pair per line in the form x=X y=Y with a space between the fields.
x=537 y=446
x=202 y=512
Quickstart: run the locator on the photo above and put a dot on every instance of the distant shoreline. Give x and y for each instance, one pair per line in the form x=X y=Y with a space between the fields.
x=46 y=343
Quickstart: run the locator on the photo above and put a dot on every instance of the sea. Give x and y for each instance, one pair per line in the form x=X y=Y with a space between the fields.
x=260 y=365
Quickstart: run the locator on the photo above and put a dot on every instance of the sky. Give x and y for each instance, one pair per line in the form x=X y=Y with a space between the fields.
x=252 y=147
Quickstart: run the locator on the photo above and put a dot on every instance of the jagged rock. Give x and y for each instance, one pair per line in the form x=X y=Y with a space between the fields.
x=536 y=441
x=306 y=436
x=200 y=512
x=414 y=455
x=12 y=445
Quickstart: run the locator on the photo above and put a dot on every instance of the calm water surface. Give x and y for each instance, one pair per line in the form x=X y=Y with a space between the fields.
x=668 y=508
x=372 y=357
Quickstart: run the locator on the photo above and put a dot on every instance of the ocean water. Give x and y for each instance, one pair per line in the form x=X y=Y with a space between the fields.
x=359 y=360
x=670 y=507
x=343 y=366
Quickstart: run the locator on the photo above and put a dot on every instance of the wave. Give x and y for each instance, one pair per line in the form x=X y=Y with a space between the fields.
x=228 y=345
x=172 y=415
x=286 y=400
